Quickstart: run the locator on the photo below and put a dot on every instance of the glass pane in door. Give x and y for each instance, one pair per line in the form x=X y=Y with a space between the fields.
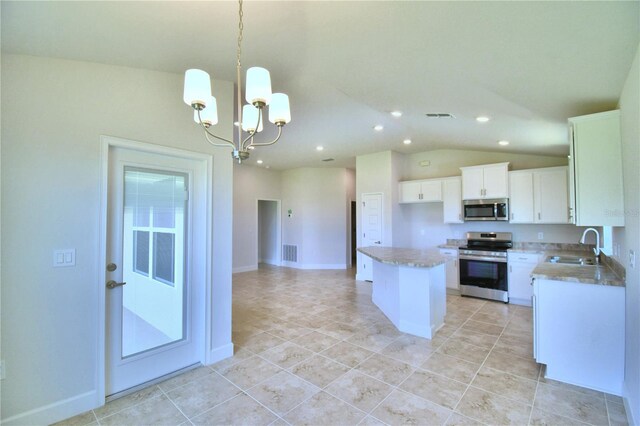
x=154 y=223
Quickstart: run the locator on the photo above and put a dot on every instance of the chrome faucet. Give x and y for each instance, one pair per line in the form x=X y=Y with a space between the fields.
x=596 y=249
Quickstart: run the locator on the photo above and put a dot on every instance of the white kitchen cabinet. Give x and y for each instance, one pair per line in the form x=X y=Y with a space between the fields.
x=551 y=198
x=451 y=268
x=486 y=181
x=521 y=197
x=519 y=279
x=452 y=200
x=420 y=191
x=579 y=333
x=595 y=170
x=539 y=196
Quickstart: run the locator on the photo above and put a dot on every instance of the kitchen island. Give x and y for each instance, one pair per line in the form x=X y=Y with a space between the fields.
x=409 y=288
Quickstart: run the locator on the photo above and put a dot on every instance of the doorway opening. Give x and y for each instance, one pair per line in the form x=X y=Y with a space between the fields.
x=269 y=234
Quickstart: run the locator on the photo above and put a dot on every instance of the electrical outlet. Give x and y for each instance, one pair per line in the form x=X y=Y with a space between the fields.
x=2 y=370
x=540 y=235
x=632 y=259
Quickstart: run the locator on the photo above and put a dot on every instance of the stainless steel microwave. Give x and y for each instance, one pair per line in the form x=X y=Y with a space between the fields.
x=494 y=209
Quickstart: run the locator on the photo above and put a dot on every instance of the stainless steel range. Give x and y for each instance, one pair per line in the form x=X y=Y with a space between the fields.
x=483 y=265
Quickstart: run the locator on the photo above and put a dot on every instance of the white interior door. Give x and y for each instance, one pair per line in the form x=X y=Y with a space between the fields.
x=155 y=286
x=371 y=232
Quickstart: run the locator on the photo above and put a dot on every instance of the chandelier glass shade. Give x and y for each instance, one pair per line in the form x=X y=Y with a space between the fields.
x=197 y=94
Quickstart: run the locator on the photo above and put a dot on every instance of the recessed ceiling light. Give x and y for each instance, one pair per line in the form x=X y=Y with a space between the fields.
x=378 y=127
x=406 y=141
x=396 y=114
x=319 y=148
x=503 y=143
x=259 y=161
x=482 y=119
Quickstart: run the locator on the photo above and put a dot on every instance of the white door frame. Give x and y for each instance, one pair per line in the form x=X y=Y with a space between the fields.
x=360 y=275
x=107 y=142
x=278 y=230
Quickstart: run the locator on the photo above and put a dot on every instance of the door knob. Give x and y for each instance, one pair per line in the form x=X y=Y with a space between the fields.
x=113 y=284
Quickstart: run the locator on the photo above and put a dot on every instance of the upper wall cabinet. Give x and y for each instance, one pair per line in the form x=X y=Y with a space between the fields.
x=487 y=181
x=539 y=196
x=452 y=200
x=421 y=191
x=595 y=170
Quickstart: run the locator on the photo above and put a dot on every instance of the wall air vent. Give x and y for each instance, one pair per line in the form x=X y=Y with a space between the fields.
x=439 y=115
x=289 y=253
x=326 y=160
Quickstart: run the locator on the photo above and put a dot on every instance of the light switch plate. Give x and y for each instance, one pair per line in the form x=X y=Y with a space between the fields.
x=632 y=259
x=540 y=235
x=63 y=258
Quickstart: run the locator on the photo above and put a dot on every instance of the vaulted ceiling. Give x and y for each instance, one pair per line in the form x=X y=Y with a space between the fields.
x=346 y=65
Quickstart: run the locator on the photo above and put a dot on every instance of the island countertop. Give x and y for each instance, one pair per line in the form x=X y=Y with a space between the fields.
x=405 y=256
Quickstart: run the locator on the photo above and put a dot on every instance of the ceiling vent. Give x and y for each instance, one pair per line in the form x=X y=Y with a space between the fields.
x=439 y=115
x=326 y=160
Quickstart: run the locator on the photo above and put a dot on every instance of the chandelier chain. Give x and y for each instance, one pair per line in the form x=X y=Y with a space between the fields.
x=240 y=28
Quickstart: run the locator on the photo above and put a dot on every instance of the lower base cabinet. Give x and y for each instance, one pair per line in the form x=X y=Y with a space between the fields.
x=579 y=333
x=519 y=279
x=452 y=272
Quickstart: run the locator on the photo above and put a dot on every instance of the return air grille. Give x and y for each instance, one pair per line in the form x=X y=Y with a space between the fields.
x=289 y=253
x=439 y=115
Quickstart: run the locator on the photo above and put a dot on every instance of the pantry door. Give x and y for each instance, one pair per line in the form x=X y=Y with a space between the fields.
x=155 y=273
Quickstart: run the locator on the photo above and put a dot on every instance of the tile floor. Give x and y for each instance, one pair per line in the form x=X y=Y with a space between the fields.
x=311 y=348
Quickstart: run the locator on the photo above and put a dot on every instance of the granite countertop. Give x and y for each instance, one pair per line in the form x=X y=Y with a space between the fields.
x=405 y=256
x=586 y=274
x=600 y=274
x=449 y=246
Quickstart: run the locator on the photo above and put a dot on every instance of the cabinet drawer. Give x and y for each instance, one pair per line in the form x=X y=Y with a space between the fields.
x=532 y=258
x=449 y=252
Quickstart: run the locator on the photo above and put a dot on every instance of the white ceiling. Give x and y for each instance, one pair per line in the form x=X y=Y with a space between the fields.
x=346 y=65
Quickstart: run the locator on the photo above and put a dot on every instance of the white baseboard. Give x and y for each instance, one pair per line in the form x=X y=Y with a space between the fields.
x=273 y=262
x=245 y=268
x=56 y=411
x=453 y=291
x=220 y=353
x=314 y=265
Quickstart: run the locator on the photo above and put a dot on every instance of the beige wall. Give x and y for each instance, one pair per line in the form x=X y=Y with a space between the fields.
x=318 y=198
x=54 y=112
x=447 y=162
x=251 y=184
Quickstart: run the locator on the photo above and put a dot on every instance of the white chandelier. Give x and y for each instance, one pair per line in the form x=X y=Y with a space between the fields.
x=197 y=94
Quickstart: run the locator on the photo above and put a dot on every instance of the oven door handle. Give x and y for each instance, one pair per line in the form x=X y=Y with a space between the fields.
x=483 y=258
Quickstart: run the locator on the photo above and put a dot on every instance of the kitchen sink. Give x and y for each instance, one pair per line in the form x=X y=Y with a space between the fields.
x=571 y=260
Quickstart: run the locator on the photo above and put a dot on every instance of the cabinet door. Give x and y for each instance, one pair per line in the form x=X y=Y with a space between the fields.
x=496 y=181
x=410 y=192
x=521 y=197
x=451 y=269
x=452 y=200
x=551 y=196
x=472 y=183
x=598 y=170
x=520 y=289
x=431 y=190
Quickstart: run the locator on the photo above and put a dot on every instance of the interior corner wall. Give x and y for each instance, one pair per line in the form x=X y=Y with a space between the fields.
x=317 y=198
x=350 y=186
x=252 y=184
x=628 y=237
x=54 y=112
x=267 y=232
